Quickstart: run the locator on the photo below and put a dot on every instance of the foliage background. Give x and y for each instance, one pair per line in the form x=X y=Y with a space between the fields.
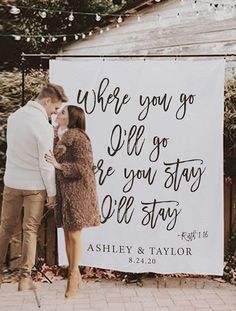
x=30 y=23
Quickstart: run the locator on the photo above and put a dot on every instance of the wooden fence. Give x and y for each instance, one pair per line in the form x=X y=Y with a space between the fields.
x=47 y=237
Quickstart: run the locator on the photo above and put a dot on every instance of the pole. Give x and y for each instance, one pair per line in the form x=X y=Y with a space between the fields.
x=51 y=56
x=23 y=79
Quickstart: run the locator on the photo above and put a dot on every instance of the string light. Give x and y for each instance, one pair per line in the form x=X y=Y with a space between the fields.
x=98 y=17
x=216 y=9
x=119 y=20
x=71 y=17
x=212 y=7
x=14 y=10
x=194 y=4
x=43 y=14
x=17 y=37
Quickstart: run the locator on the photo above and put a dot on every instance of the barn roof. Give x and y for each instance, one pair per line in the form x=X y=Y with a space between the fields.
x=166 y=27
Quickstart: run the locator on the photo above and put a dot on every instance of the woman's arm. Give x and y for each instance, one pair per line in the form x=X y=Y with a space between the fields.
x=82 y=155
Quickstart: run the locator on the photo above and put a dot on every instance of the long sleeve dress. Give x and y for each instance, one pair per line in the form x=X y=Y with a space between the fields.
x=77 y=201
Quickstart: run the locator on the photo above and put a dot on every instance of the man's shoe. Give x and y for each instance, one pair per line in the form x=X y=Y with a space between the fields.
x=26 y=283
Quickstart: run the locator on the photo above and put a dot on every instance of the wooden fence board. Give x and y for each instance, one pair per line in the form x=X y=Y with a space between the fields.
x=50 y=239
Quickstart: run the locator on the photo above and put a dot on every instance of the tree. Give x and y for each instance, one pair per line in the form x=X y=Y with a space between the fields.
x=42 y=26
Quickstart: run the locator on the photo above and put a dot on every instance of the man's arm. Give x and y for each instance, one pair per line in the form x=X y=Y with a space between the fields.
x=45 y=143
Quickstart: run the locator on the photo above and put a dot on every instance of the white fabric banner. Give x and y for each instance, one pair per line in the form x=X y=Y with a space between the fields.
x=157 y=133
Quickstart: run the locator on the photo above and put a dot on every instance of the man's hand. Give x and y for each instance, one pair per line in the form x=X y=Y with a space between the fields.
x=51 y=202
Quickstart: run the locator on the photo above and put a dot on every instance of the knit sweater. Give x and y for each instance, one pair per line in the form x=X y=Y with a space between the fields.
x=29 y=138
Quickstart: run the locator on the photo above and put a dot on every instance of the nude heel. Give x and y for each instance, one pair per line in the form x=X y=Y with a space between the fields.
x=73 y=283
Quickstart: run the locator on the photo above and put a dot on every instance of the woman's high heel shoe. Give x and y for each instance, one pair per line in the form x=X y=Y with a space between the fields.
x=73 y=283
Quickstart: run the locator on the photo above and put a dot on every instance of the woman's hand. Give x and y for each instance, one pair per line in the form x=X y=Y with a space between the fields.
x=51 y=159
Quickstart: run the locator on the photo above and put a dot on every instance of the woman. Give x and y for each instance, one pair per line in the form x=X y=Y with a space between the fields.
x=77 y=204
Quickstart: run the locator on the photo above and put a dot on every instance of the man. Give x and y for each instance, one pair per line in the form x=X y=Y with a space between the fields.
x=28 y=178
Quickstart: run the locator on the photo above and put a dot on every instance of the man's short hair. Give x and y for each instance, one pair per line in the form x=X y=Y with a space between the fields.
x=54 y=91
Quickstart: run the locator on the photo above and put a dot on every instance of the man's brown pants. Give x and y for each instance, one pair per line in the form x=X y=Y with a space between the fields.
x=13 y=201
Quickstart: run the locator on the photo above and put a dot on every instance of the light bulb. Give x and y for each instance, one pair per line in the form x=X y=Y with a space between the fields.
x=42 y=39
x=83 y=36
x=14 y=10
x=17 y=37
x=178 y=17
x=101 y=31
x=90 y=33
x=108 y=28
x=76 y=37
x=54 y=39
x=64 y=38
x=71 y=17
x=119 y=20
x=98 y=17
x=28 y=39
x=43 y=14
x=210 y=7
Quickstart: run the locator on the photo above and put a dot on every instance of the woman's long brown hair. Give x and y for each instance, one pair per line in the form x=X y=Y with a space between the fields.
x=76 y=118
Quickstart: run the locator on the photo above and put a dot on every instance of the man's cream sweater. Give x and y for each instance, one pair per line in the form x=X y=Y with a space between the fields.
x=29 y=138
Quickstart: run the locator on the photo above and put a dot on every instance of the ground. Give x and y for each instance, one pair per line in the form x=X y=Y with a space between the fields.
x=161 y=294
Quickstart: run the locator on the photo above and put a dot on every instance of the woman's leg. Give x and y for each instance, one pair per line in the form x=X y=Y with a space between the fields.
x=74 y=278
x=75 y=249
x=67 y=244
